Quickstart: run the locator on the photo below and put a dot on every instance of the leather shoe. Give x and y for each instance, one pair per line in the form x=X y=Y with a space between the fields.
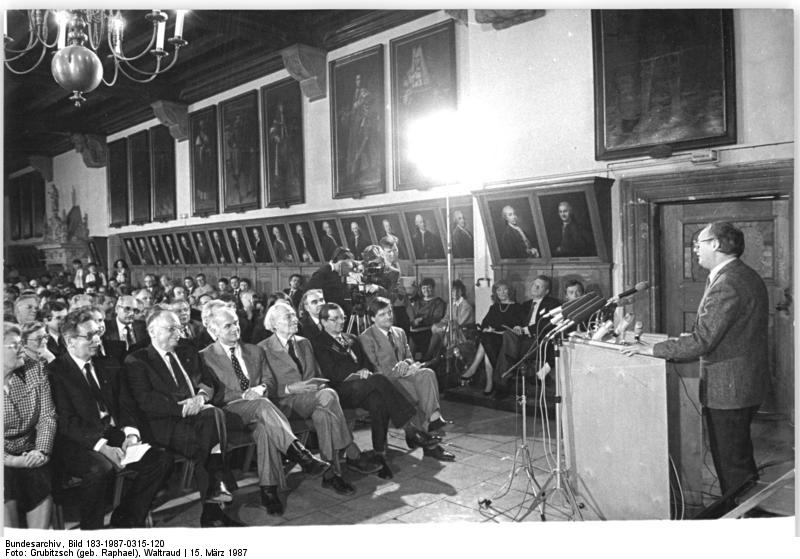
x=439 y=453
x=421 y=439
x=271 y=500
x=437 y=425
x=338 y=484
x=214 y=517
x=307 y=461
x=218 y=493
x=363 y=464
x=385 y=472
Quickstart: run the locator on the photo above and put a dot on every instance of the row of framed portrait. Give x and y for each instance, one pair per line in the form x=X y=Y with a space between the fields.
x=417 y=232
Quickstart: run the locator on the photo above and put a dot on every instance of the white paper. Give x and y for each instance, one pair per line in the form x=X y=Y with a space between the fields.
x=134 y=453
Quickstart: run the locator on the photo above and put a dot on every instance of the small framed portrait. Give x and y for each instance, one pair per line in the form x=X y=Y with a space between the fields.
x=203 y=246
x=240 y=254
x=157 y=250
x=330 y=239
x=279 y=235
x=204 y=161
x=241 y=149
x=514 y=229
x=423 y=82
x=357 y=235
x=568 y=224
x=389 y=231
x=162 y=157
x=171 y=251
x=282 y=105
x=304 y=242
x=117 y=174
x=259 y=245
x=131 y=252
x=426 y=236
x=144 y=251
x=219 y=248
x=358 y=126
x=185 y=246
x=141 y=185
x=461 y=236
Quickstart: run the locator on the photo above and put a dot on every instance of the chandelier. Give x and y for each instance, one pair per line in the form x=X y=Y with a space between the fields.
x=78 y=35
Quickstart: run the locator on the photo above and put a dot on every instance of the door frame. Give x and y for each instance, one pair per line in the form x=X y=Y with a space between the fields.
x=642 y=196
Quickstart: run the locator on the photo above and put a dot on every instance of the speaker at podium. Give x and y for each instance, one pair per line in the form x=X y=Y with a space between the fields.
x=623 y=419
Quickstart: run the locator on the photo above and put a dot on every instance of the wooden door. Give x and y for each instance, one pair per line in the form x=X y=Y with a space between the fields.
x=766 y=224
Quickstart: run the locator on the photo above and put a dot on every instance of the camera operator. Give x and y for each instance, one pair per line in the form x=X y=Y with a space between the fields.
x=330 y=278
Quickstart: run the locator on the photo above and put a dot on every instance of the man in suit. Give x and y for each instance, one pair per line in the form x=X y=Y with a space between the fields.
x=310 y=304
x=240 y=255
x=295 y=290
x=426 y=244
x=519 y=341
x=123 y=327
x=461 y=237
x=328 y=241
x=186 y=248
x=357 y=240
x=260 y=244
x=97 y=427
x=330 y=278
x=172 y=388
x=191 y=329
x=514 y=241
x=730 y=339
x=571 y=239
x=342 y=360
x=246 y=387
x=387 y=348
x=203 y=252
x=152 y=286
x=305 y=246
x=282 y=251
x=290 y=361
x=53 y=314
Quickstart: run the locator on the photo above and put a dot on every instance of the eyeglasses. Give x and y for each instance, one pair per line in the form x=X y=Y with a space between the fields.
x=336 y=318
x=37 y=339
x=698 y=241
x=128 y=309
x=15 y=346
x=173 y=329
x=90 y=335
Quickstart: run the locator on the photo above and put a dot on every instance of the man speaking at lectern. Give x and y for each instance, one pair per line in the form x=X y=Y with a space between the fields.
x=730 y=338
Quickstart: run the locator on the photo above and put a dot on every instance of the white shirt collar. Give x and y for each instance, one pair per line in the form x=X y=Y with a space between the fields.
x=712 y=275
x=282 y=340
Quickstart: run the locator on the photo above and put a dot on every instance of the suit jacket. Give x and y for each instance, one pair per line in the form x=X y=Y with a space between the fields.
x=262 y=252
x=239 y=251
x=427 y=246
x=155 y=391
x=358 y=246
x=730 y=338
x=547 y=304
x=56 y=347
x=332 y=286
x=219 y=363
x=282 y=252
x=305 y=249
x=139 y=332
x=295 y=299
x=512 y=245
x=79 y=420
x=336 y=361
x=203 y=253
x=329 y=246
x=282 y=367
x=572 y=240
x=380 y=352
x=309 y=329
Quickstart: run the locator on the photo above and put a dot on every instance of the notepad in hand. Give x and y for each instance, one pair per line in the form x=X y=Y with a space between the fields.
x=134 y=453
x=318 y=380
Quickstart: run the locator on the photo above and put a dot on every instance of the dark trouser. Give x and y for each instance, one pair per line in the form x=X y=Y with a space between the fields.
x=98 y=474
x=194 y=437
x=384 y=402
x=731 y=446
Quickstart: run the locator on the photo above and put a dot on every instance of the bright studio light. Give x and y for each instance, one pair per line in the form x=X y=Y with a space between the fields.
x=437 y=145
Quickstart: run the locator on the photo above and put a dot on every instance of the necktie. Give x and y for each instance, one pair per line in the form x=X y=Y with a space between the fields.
x=94 y=388
x=344 y=344
x=187 y=333
x=128 y=337
x=534 y=308
x=244 y=383
x=394 y=344
x=293 y=355
x=177 y=372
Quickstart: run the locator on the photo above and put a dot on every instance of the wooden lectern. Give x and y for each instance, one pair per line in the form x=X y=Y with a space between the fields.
x=622 y=419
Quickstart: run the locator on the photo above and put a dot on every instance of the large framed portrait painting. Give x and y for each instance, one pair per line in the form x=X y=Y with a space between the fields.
x=358 y=124
x=664 y=81
x=204 y=157
x=241 y=176
x=283 y=138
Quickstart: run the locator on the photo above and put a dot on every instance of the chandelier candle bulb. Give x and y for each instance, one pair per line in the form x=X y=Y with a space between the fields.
x=162 y=27
x=63 y=18
x=179 y=15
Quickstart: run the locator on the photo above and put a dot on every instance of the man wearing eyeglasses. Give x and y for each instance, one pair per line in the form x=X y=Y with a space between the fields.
x=172 y=388
x=97 y=428
x=730 y=339
x=125 y=326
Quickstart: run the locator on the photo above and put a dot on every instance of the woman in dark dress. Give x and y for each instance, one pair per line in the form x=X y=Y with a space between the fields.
x=505 y=312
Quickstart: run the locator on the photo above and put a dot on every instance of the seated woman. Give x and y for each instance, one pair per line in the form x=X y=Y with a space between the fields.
x=34 y=342
x=504 y=312
x=30 y=426
x=463 y=323
x=424 y=311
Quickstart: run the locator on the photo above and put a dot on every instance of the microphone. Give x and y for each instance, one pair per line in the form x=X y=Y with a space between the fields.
x=622 y=326
x=570 y=304
x=587 y=309
x=603 y=330
x=641 y=286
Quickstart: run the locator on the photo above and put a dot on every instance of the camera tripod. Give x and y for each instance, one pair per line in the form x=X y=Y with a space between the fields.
x=358 y=322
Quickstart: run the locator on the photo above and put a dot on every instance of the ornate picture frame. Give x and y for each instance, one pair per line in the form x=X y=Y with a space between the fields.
x=204 y=161
x=664 y=81
x=282 y=107
x=162 y=158
x=423 y=66
x=358 y=125
x=140 y=179
x=240 y=149
x=117 y=176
